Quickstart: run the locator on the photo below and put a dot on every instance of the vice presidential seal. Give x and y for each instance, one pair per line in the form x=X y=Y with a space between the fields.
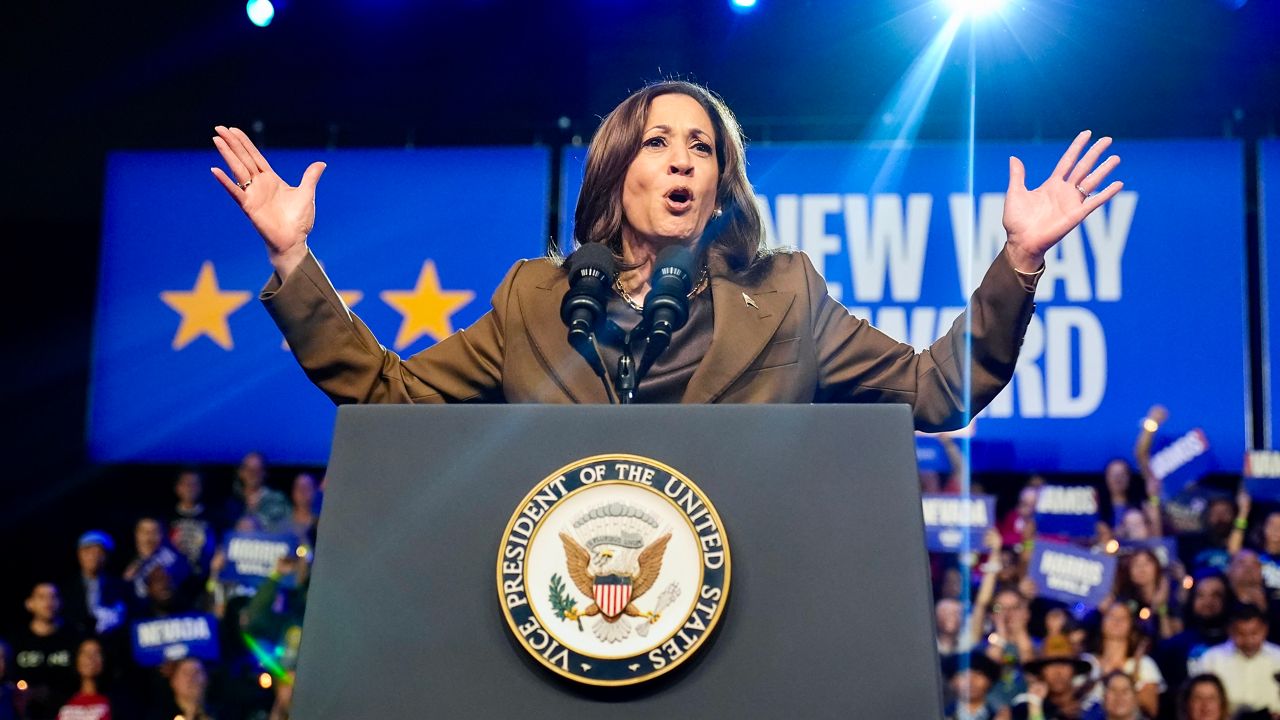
x=613 y=570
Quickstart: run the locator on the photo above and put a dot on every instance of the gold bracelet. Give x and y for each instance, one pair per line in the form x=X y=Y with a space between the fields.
x=1035 y=274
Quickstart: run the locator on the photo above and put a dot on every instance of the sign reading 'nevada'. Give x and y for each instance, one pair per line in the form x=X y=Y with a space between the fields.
x=186 y=363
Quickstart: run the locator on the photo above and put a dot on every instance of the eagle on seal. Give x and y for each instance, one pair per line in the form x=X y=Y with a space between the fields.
x=614 y=583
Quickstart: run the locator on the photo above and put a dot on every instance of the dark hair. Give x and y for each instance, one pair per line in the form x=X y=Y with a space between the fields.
x=1244 y=612
x=1125 y=587
x=1106 y=679
x=1137 y=637
x=736 y=236
x=1184 y=695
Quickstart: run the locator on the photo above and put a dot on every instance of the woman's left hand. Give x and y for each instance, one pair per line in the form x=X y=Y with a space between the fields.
x=1036 y=220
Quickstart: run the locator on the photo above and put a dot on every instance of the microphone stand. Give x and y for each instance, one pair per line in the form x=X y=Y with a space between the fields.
x=589 y=349
x=626 y=376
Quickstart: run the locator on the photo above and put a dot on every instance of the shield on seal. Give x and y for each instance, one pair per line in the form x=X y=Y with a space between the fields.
x=612 y=593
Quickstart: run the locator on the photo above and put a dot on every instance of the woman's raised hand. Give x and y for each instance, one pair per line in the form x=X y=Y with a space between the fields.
x=1037 y=219
x=282 y=214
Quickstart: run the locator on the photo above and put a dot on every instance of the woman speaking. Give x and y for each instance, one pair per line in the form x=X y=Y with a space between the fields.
x=666 y=169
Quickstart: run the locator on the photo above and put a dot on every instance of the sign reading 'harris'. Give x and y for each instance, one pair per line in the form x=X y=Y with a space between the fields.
x=613 y=570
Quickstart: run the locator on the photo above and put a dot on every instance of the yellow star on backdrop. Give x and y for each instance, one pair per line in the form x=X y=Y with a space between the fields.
x=204 y=309
x=426 y=308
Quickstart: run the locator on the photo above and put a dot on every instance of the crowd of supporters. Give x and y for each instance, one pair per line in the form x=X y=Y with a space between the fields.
x=75 y=657
x=1182 y=634
x=1186 y=630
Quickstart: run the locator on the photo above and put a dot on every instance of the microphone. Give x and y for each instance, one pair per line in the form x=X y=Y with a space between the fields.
x=666 y=309
x=592 y=270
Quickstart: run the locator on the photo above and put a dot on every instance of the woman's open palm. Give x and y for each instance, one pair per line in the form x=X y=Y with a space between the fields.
x=283 y=214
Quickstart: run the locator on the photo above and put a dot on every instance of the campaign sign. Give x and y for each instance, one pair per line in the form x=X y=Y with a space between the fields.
x=1262 y=474
x=950 y=519
x=1071 y=574
x=414 y=241
x=902 y=242
x=252 y=556
x=173 y=638
x=930 y=455
x=1269 y=220
x=1180 y=460
x=1068 y=510
x=1164 y=548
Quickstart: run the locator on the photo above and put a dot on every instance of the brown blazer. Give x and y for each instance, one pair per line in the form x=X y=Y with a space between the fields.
x=796 y=345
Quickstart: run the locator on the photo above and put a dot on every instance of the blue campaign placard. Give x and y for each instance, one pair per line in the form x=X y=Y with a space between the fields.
x=930 y=455
x=1164 y=548
x=955 y=523
x=901 y=241
x=156 y=642
x=1269 y=222
x=1179 y=459
x=252 y=556
x=1262 y=474
x=187 y=366
x=1074 y=575
x=1067 y=510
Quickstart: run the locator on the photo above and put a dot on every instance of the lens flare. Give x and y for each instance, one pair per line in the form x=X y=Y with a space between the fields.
x=974 y=8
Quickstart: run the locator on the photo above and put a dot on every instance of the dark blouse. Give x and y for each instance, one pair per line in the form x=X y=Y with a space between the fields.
x=671 y=372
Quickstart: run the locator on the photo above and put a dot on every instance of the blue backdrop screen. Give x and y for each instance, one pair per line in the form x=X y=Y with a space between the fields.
x=1145 y=303
x=186 y=364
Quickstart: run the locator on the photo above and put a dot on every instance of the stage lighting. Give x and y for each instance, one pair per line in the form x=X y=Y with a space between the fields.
x=742 y=5
x=260 y=12
x=974 y=8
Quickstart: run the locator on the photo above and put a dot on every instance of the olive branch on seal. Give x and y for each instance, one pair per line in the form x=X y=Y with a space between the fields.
x=561 y=601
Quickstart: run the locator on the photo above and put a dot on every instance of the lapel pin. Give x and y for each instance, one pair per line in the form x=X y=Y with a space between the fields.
x=749 y=301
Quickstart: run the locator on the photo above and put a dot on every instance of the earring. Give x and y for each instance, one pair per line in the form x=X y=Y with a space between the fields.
x=718 y=212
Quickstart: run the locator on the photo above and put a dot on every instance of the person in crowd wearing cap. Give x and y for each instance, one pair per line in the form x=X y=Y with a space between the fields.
x=1120 y=697
x=1246 y=664
x=191 y=530
x=1205 y=618
x=95 y=600
x=1120 y=644
x=43 y=654
x=1052 y=693
x=1203 y=698
x=89 y=703
x=972 y=676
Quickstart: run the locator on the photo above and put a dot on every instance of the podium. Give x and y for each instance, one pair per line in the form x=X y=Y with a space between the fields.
x=829 y=613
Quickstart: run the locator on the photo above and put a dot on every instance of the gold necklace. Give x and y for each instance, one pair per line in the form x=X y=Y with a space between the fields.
x=703 y=281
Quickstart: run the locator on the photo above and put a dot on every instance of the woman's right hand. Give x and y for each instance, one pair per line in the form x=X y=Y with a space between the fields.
x=282 y=214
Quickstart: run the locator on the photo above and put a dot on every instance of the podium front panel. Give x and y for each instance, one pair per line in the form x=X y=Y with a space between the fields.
x=829 y=612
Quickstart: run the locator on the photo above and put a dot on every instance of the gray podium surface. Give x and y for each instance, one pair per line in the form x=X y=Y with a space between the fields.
x=829 y=611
